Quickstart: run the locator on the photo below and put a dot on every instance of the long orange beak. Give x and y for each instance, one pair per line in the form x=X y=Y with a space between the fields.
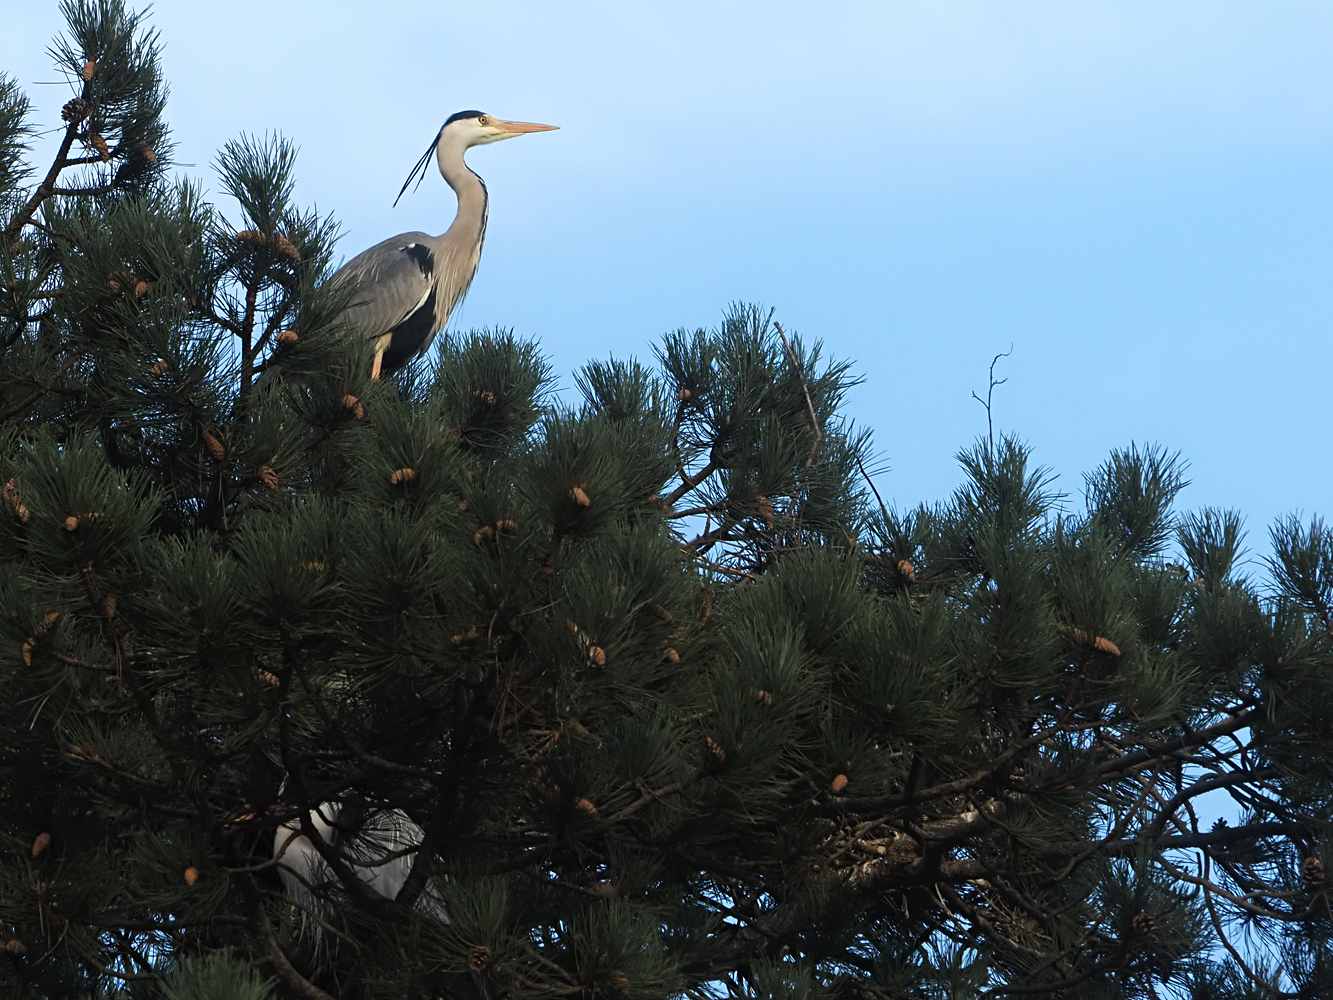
x=518 y=128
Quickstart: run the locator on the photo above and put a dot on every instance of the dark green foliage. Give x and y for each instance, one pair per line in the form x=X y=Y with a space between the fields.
x=219 y=975
x=671 y=706
x=14 y=132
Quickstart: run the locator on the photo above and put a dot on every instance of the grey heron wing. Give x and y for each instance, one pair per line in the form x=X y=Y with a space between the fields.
x=394 y=279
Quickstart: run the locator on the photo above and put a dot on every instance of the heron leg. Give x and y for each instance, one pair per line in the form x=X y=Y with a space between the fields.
x=381 y=345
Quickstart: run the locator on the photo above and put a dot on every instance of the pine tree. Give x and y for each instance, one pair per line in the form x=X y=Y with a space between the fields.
x=674 y=705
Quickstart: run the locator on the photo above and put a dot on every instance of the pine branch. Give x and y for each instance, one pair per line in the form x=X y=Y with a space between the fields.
x=47 y=187
x=272 y=951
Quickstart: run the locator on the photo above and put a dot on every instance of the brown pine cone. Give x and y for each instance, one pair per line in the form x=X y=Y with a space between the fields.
x=99 y=144
x=76 y=110
x=766 y=510
x=1144 y=925
x=1312 y=870
x=285 y=248
x=214 y=446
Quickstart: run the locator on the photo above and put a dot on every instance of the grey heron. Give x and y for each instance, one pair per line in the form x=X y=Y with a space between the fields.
x=378 y=846
x=408 y=284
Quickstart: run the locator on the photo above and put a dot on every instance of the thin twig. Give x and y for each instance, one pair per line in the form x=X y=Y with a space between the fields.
x=1226 y=942
x=871 y=483
x=805 y=387
x=990 y=423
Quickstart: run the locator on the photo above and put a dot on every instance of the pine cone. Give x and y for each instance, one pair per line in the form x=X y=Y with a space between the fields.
x=71 y=523
x=1088 y=639
x=30 y=643
x=285 y=248
x=670 y=655
x=15 y=947
x=584 y=806
x=403 y=475
x=906 y=571
x=214 y=446
x=76 y=110
x=286 y=337
x=89 y=67
x=838 y=783
x=478 y=958
x=715 y=748
x=597 y=655
x=579 y=497
x=350 y=402
x=1144 y=925
x=191 y=876
x=12 y=496
x=268 y=476
x=99 y=144
x=40 y=844
x=1312 y=871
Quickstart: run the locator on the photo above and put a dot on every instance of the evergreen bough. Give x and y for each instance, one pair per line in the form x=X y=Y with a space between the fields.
x=680 y=708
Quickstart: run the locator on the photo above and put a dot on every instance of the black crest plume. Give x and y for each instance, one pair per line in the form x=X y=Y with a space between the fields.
x=419 y=171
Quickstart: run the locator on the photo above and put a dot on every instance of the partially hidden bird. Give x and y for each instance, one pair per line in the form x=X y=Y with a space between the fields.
x=407 y=285
x=377 y=846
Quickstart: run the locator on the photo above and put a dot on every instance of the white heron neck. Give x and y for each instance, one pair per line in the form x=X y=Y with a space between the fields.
x=467 y=186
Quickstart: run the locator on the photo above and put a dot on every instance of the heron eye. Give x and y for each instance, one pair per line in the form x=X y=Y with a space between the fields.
x=483 y=120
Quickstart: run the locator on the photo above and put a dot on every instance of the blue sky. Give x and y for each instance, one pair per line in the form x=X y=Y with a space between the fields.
x=1136 y=196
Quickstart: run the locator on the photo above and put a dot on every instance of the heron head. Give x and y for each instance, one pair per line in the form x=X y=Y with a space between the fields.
x=475 y=128
x=461 y=132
